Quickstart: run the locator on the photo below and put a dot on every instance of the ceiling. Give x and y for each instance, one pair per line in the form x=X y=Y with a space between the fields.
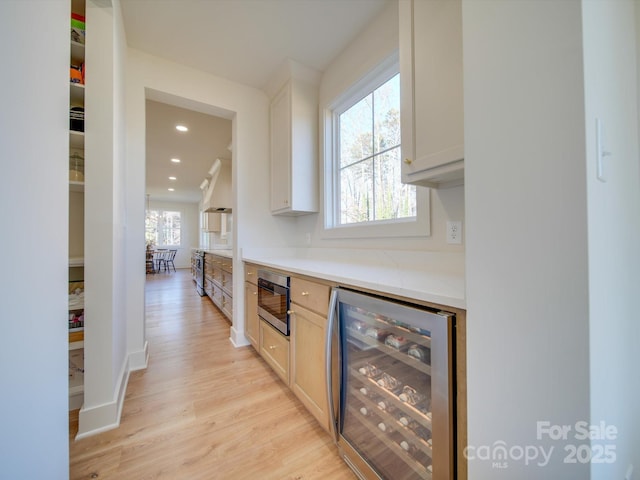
x=245 y=41
x=208 y=138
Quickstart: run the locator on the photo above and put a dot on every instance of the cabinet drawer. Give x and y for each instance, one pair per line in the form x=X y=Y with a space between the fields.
x=251 y=273
x=226 y=264
x=274 y=348
x=227 y=282
x=313 y=296
x=227 y=305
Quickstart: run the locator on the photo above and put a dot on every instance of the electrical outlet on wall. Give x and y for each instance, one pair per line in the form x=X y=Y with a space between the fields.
x=454 y=232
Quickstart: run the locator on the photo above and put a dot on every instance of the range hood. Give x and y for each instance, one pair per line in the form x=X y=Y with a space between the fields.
x=218 y=197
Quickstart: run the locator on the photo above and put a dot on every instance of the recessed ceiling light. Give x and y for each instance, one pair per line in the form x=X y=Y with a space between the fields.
x=182 y=128
x=172 y=178
x=171 y=189
x=175 y=160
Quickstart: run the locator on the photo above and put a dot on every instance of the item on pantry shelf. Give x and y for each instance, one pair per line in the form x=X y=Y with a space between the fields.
x=377 y=333
x=396 y=341
x=75 y=74
x=76 y=168
x=418 y=352
x=364 y=391
x=76 y=119
x=370 y=370
x=77 y=28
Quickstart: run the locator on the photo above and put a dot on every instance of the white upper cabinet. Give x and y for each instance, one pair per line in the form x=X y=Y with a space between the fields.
x=431 y=92
x=294 y=149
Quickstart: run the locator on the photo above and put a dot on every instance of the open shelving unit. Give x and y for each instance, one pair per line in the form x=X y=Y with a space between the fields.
x=76 y=223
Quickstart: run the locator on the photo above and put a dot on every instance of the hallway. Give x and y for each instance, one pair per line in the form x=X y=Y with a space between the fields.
x=204 y=409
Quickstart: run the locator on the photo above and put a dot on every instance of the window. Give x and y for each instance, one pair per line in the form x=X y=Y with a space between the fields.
x=162 y=228
x=364 y=194
x=369 y=163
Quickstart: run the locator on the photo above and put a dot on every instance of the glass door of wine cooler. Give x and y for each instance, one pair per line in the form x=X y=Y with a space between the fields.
x=396 y=402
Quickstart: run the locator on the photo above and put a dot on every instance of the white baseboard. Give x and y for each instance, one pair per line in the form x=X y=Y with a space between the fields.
x=140 y=359
x=100 y=418
x=76 y=400
x=238 y=339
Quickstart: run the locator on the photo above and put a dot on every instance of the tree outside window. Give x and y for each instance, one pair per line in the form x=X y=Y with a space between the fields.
x=370 y=186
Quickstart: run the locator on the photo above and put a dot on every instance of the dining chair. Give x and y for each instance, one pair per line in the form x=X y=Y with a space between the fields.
x=159 y=259
x=168 y=260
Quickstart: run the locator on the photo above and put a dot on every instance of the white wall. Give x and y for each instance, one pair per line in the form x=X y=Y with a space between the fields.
x=34 y=145
x=526 y=249
x=614 y=228
x=253 y=225
x=106 y=363
x=374 y=44
x=190 y=218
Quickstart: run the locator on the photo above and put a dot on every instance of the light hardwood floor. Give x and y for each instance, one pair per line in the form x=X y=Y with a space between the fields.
x=203 y=409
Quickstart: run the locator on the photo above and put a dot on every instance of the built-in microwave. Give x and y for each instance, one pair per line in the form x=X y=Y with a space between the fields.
x=273 y=299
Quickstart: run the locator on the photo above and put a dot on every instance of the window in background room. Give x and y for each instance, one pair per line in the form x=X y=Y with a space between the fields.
x=162 y=228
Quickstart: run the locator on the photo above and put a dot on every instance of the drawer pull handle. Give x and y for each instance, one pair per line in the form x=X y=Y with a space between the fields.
x=290 y=312
x=249 y=273
x=255 y=293
x=272 y=347
x=408 y=161
x=304 y=294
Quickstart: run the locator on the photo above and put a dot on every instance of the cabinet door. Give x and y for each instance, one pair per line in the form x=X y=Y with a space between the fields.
x=281 y=150
x=274 y=348
x=308 y=379
x=211 y=222
x=310 y=295
x=227 y=305
x=252 y=321
x=431 y=92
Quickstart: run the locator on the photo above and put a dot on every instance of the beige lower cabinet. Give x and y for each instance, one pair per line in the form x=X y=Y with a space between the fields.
x=274 y=348
x=219 y=282
x=252 y=320
x=308 y=376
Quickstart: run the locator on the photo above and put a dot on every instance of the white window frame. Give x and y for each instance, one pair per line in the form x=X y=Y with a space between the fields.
x=418 y=226
x=161 y=231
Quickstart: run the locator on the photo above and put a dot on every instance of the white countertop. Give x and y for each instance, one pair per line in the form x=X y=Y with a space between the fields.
x=223 y=252
x=428 y=276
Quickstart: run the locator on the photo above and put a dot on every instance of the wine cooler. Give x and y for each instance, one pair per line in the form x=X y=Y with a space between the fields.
x=395 y=414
